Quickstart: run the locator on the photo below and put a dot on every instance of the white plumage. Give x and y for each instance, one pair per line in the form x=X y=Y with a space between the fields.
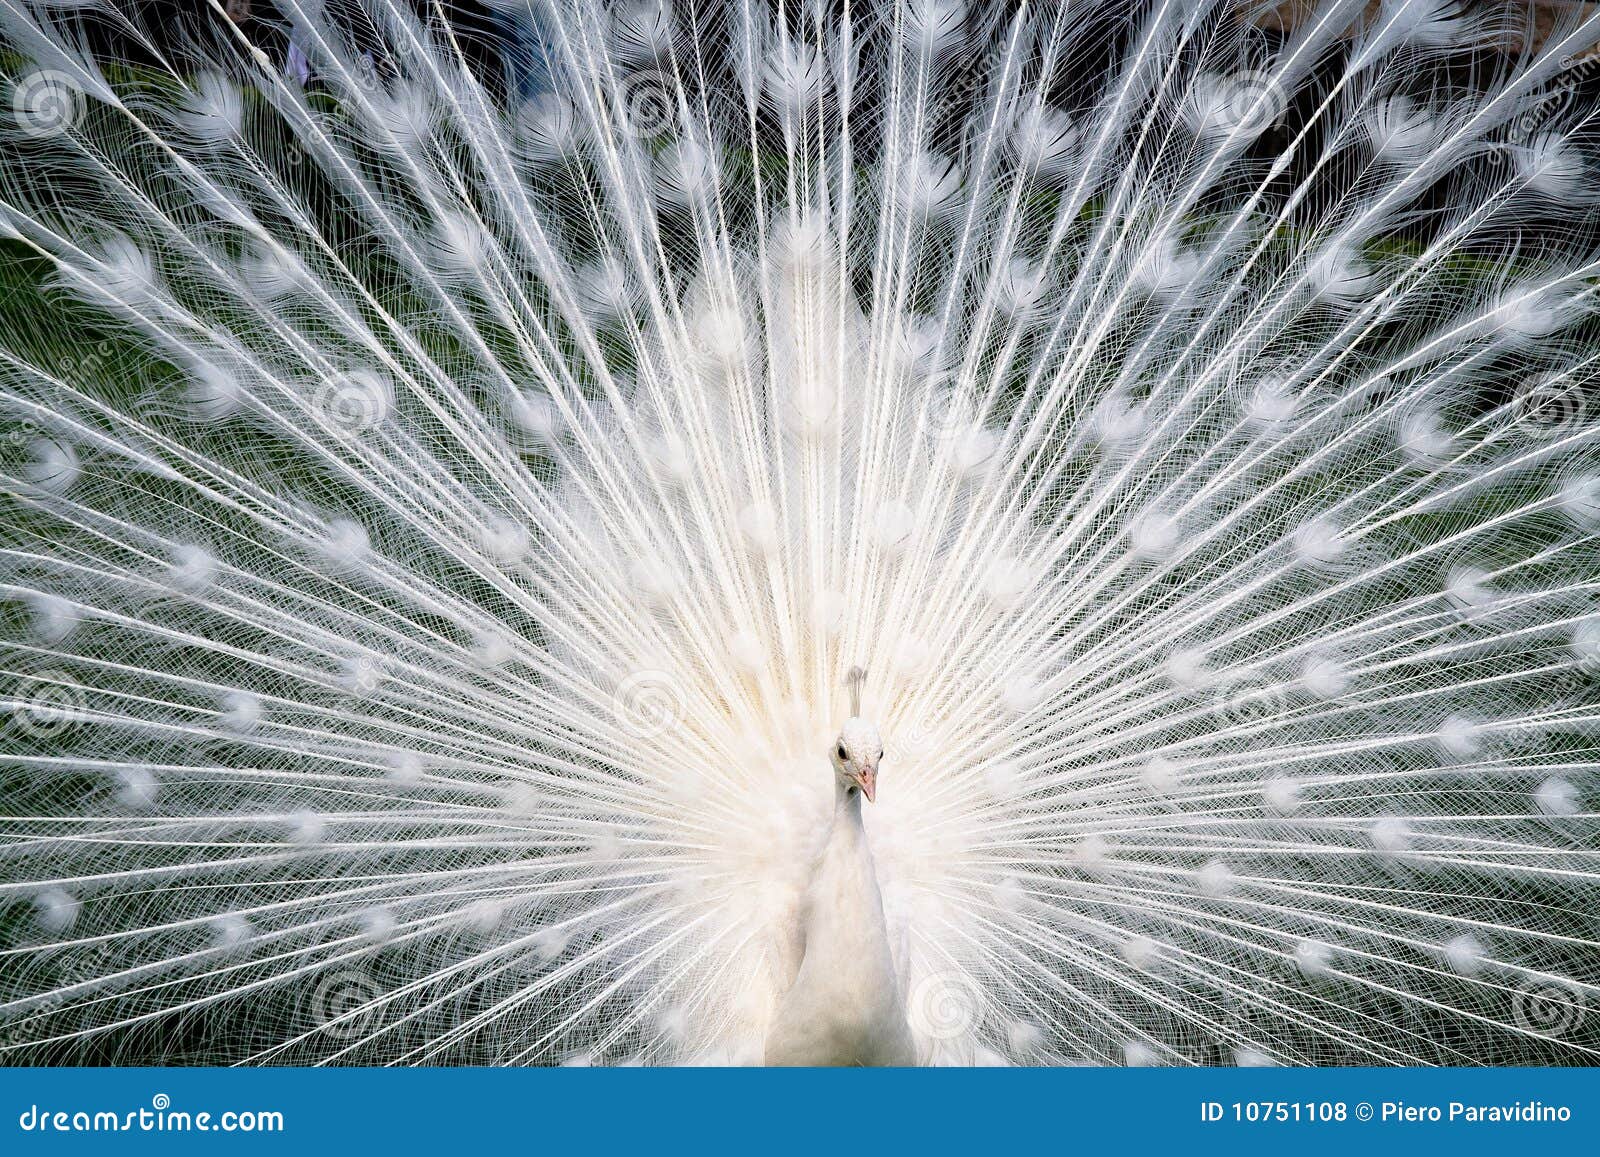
x=440 y=516
x=846 y=1004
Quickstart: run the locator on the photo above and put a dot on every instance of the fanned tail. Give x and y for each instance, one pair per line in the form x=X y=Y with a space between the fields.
x=441 y=504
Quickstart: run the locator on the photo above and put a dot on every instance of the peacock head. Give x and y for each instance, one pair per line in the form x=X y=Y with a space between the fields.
x=856 y=756
x=859 y=748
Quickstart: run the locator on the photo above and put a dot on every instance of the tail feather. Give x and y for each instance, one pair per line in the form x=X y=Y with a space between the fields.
x=439 y=516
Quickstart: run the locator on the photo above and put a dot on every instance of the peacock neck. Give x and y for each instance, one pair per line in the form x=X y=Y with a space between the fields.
x=849 y=833
x=845 y=1006
x=848 y=856
x=847 y=806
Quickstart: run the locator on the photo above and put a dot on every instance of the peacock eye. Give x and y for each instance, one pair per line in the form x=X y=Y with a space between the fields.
x=842 y=754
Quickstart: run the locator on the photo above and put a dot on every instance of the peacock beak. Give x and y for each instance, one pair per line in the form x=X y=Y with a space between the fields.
x=868 y=779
